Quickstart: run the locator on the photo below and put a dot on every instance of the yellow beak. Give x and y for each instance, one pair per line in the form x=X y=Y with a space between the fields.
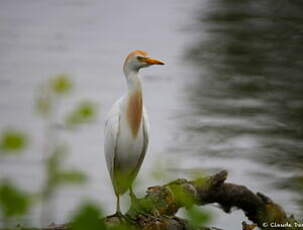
x=153 y=61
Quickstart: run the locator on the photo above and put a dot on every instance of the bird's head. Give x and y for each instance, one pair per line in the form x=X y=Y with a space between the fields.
x=139 y=59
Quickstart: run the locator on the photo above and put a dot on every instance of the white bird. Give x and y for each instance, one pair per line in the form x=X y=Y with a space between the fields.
x=127 y=128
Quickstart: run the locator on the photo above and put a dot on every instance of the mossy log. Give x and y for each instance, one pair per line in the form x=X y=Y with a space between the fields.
x=157 y=210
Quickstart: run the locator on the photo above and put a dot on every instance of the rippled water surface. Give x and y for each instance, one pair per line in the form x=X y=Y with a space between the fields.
x=200 y=120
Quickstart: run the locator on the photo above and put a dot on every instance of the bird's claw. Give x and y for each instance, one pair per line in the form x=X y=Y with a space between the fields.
x=118 y=214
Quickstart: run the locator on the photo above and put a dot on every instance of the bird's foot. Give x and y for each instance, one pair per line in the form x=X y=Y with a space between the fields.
x=118 y=215
x=125 y=218
x=118 y=218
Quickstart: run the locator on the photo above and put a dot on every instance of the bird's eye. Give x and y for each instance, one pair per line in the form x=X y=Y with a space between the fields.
x=140 y=58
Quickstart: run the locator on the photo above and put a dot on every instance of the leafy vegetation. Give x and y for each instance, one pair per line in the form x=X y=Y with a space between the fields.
x=88 y=217
x=83 y=113
x=12 y=141
x=61 y=84
x=197 y=217
x=14 y=202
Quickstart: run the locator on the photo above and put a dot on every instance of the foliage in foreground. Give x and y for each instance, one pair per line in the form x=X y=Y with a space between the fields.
x=14 y=201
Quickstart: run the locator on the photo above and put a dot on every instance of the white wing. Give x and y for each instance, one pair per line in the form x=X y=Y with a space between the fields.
x=111 y=131
x=145 y=129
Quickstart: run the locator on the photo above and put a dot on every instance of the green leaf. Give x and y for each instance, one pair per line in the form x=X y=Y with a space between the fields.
x=61 y=84
x=13 y=201
x=56 y=158
x=182 y=196
x=197 y=217
x=122 y=226
x=88 y=217
x=12 y=141
x=53 y=165
x=83 y=113
x=43 y=105
x=71 y=177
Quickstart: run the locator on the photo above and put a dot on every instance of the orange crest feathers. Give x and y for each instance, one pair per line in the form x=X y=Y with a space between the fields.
x=136 y=52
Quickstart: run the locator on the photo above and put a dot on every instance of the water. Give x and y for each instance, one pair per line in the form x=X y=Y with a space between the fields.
x=198 y=122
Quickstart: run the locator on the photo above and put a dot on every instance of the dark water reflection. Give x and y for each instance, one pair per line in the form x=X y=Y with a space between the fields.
x=247 y=99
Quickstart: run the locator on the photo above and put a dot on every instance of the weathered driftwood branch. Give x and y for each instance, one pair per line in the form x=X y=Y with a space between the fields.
x=158 y=208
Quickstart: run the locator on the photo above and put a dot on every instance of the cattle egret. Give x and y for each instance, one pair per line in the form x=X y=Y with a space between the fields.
x=127 y=128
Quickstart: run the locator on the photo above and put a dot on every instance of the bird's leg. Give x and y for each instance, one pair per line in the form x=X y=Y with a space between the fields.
x=118 y=213
x=135 y=202
x=132 y=195
x=118 y=210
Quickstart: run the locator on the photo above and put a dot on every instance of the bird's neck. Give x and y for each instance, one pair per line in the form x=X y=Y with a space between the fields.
x=133 y=80
x=134 y=102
